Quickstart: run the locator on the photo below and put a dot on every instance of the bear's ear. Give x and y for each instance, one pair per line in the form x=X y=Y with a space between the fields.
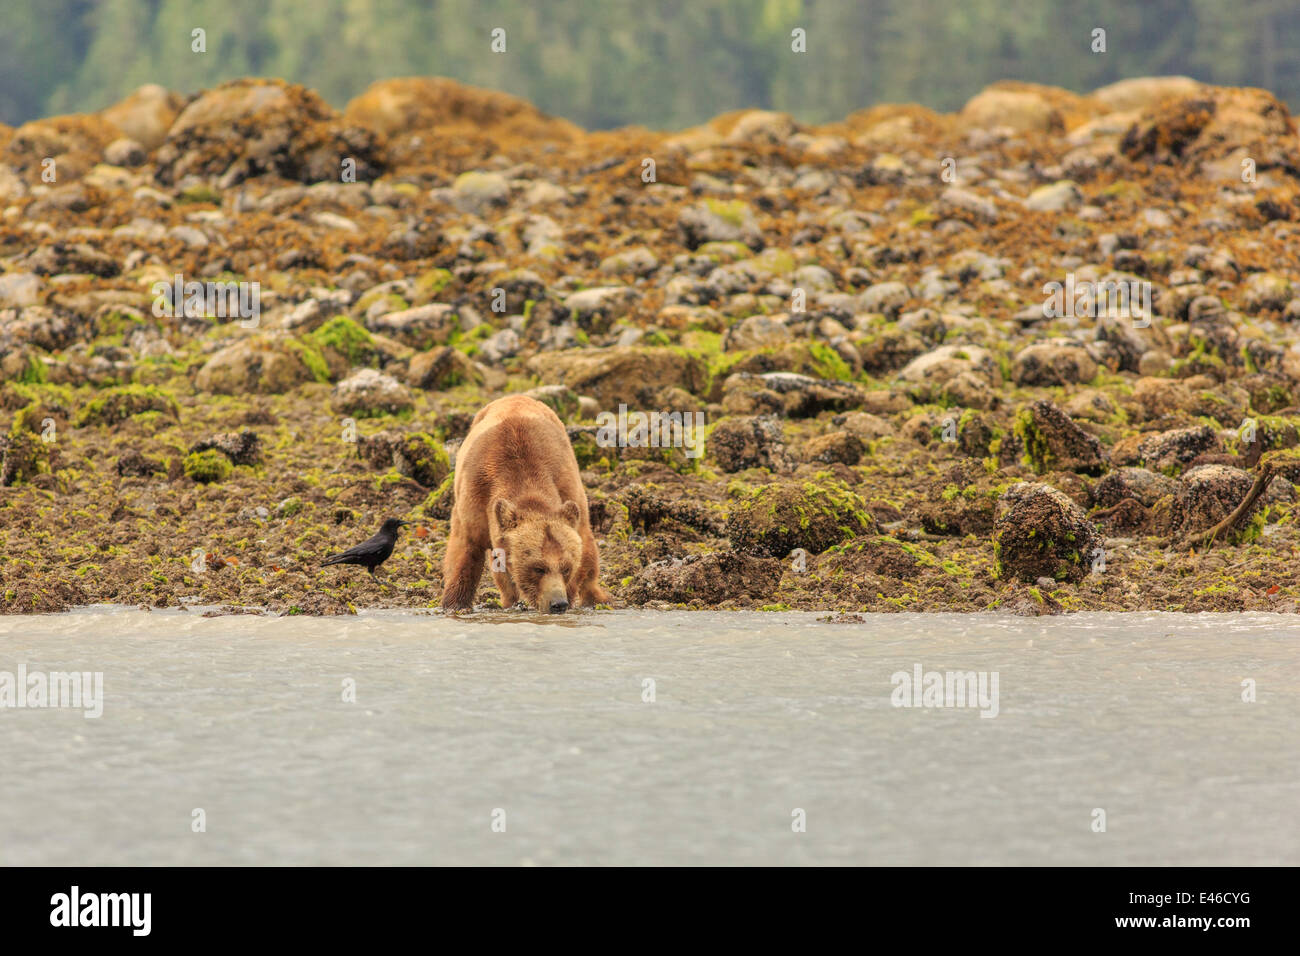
x=571 y=513
x=505 y=514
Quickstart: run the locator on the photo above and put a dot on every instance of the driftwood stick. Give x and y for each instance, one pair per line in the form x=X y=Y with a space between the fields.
x=1203 y=538
x=1106 y=512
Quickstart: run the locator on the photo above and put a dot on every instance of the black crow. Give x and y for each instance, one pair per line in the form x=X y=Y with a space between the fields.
x=373 y=551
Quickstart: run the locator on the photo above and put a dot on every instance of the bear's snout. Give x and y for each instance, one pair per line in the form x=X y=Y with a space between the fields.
x=553 y=599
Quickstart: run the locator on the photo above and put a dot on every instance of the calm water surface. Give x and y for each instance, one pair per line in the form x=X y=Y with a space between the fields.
x=545 y=724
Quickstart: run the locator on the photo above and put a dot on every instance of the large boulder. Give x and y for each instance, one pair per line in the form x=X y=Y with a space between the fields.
x=418 y=456
x=1213 y=129
x=716 y=220
x=264 y=364
x=1022 y=111
x=146 y=114
x=1171 y=450
x=1139 y=484
x=75 y=143
x=437 y=108
x=762 y=128
x=113 y=405
x=1055 y=362
x=940 y=365
x=1038 y=532
x=625 y=375
x=477 y=191
x=369 y=392
x=787 y=393
x=748 y=441
x=1206 y=495
x=242 y=447
x=420 y=327
x=595 y=309
x=707 y=578
x=442 y=368
x=1142 y=92
x=70 y=258
x=775 y=520
x=251 y=127
x=1053 y=442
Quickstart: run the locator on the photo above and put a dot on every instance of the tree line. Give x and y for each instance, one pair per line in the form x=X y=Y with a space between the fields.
x=658 y=63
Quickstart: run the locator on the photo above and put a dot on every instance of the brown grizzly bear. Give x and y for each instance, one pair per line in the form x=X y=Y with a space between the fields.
x=520 y=504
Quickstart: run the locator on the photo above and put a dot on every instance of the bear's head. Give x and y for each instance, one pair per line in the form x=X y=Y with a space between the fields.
x=543 y=552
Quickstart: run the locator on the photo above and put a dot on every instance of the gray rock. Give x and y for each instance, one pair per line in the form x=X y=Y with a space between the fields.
x=64 y=258
x=19 y=289
x=962 y=204
x=1266 y=290
x=1146 y=487
x=192 y=237
x=1055 y=197
x=639 y=261
x=885 y=297
x=1170 y=450
x=750 y=441
x=419 y=327
x=596 y=309
x=369 y=392
x=125 y=152
x=501 y=345
x=719 y=221
x=477 y=191
x=1055 y=362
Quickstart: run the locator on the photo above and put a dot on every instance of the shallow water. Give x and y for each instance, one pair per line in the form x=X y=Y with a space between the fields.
x=754 y=717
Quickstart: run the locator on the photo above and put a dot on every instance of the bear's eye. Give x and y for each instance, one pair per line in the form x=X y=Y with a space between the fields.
x=539 y=569
x=566 y=570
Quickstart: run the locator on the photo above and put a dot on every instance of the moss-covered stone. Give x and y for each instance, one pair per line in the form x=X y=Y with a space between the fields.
x=439 y=503
x=23 y=452
x=118 y=404
x=1040 y=533
x=422 y=458
x=207 y=467
x=346 y=338
x=774 y=520
x=1053 y=442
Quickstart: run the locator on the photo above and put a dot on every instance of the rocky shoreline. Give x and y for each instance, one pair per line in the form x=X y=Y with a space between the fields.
x=239 y=329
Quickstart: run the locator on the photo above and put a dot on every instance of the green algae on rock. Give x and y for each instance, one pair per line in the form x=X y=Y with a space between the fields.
x=777 y=519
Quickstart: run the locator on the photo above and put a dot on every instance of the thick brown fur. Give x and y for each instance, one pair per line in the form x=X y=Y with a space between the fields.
x=517 y=489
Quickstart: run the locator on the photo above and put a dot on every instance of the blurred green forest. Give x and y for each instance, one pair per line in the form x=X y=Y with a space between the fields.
x=658 y=63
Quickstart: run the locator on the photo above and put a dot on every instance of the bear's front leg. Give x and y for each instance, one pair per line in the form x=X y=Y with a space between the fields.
x=506 y=585
x=594 y=594
x=590 y=593
x=461 y=570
